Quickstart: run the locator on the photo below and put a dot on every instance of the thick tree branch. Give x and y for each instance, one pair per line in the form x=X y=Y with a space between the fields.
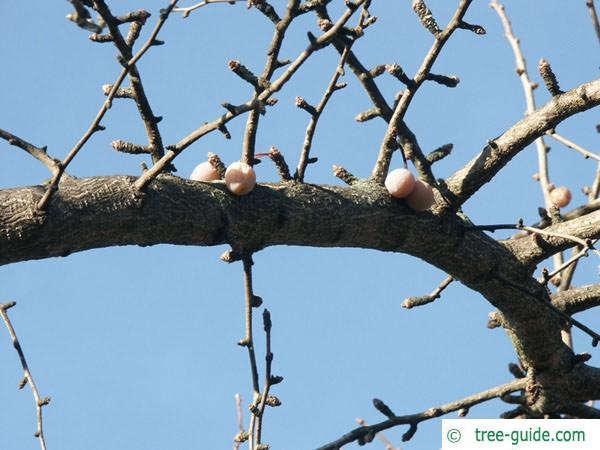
x=577 y=300
x=534 y=249
x=481 y=169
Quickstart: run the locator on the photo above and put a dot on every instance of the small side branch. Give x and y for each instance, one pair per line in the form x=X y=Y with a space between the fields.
x=388 y=146
x=251 y=301
x=256 y=102
x=39 y=153
x=185 y=12
x=312 y=125
x=594 y=15
x=411 y=302
x=414 y=419
x=572 y=145
x=95 y=126
x=27 y=377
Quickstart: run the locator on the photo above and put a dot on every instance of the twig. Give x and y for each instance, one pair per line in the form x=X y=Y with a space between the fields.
x=528 y=86
x=312 y=125
x=593 y=193
x=249 y=142
x=406 y=137
x=594 y=15
x=519 y=226
x=387 y=146
x=248 y=342
x=150 y=121
x=580 y=254
x=187 y=10
x=274 y=87
x=39 y=153
x=411 y=302
x=95 y=126
x=388 y=444
x=241 y=436
x=572 y=145
x=431 y=413
x=267 y=387
x=27 y=377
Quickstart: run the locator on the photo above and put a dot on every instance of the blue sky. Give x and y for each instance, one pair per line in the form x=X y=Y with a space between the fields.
x=136 y=346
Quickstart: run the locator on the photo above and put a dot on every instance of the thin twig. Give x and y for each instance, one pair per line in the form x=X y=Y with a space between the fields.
x=27 y=377
x=155 y=144
x=39 y=153
x=240 y=420
x=572 y=145
x=272 y=63
x=431 y=413
x=580 y=254
x=388 y=444
x=248 y=342
x=187 y=10
x=274 y=87
x=595 y=189
x=534 y=230
x=594 y=15
x=267 y=387
x=411 y=302
x=95 y=126
x=312 y=125
x=387 y=146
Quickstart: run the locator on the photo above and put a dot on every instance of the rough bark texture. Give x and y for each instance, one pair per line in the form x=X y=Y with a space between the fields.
x=106 y=211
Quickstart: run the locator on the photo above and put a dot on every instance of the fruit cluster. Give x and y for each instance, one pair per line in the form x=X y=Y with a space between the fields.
x=240 y=177
x=400 y=183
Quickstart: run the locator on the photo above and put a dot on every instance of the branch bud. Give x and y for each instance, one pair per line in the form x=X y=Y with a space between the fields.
x=426 y=17
x=549 y=77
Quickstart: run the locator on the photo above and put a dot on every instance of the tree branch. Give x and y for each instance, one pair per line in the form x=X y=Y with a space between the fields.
x=27 y=377
x=481 y=169
x=39 y=153
x=387 y=146
x=532 y=250
x=431 y=413
x=579 y=299
x=274 y=87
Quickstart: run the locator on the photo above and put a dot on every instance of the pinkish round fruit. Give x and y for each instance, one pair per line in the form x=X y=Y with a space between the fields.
x=560 y=196
x=421 y=198
x=400 y=183
x=204 y=172
x=240 y=178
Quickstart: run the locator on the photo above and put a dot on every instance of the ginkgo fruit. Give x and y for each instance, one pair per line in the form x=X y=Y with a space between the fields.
x=421 y=197
x=204 y=172
x=560 y=196
x=400 y=183
x=240 y=178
